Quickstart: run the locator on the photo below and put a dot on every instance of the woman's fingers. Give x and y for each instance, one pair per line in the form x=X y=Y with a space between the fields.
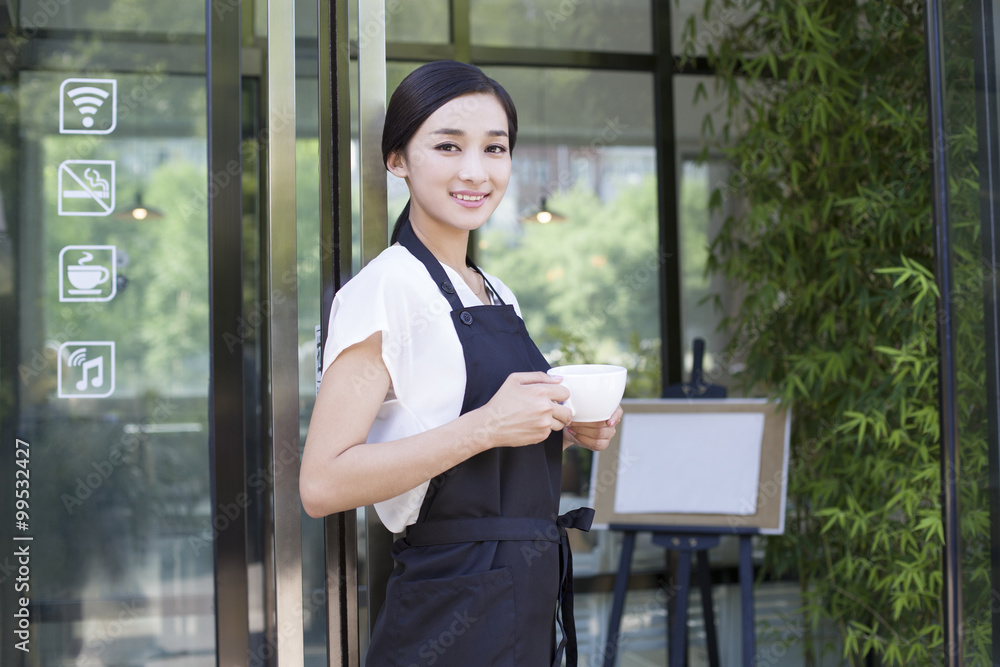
x=592 y=441
x=562 y=415
x=546 y=386
x=527 y=408
x=596 y=435
x=534 y=377
x=616 y=417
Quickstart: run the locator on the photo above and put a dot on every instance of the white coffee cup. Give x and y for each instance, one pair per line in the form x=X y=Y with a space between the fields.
x=595 y=390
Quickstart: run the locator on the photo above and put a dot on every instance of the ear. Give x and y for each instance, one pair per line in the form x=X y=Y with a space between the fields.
x=396 y=164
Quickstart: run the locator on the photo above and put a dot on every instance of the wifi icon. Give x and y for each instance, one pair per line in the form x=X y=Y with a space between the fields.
x=88 y=106
x=78 y=357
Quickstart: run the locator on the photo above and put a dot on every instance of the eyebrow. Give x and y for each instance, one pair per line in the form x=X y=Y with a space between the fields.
x=461 y=133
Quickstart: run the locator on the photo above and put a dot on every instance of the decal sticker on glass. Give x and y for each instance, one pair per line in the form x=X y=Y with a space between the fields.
x=88 y=106
x=88 y=273
x=86 y=369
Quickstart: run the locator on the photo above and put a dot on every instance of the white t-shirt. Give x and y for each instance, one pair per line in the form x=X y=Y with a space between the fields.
x=396 y=295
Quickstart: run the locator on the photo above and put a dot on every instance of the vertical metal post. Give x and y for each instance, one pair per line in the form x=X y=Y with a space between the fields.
x=226 y=411
x=371 y=86
x=374 y=233
x=672 y=347
x=613 y=638
x=748 y=638
x=952 y=565
x=285 y=624
x=988 y=130
x=341 y=532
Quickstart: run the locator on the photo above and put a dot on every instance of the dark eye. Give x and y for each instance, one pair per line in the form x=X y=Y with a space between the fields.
x=447 y=147
x=496 y=148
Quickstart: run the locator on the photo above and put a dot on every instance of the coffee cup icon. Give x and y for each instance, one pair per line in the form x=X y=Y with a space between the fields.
x=85 y=277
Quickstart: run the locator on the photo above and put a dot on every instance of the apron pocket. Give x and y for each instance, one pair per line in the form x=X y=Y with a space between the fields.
x=458 y=621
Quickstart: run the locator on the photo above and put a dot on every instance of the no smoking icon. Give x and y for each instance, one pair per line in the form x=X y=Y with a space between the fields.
x=87 y=187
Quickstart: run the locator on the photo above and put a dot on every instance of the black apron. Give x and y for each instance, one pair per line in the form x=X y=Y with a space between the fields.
x=480 y=575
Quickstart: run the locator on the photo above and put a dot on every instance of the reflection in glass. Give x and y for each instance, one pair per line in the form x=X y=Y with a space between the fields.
x=973 y=307
x=145 y=18
x=624 y=26
x=307 y=220
x=694 y=33
x=424 y=22
x=117 y=410
x=706 y=296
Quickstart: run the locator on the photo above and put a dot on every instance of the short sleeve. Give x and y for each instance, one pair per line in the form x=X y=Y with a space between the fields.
x=377 y=299
x=354 y=318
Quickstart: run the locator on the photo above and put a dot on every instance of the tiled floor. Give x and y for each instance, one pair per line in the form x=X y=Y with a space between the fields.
x=779 y=630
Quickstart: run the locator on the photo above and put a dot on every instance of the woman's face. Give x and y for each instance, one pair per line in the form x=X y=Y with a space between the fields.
x=457 y=165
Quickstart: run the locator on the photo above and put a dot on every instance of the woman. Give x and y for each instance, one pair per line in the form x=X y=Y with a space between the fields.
x=435 y=405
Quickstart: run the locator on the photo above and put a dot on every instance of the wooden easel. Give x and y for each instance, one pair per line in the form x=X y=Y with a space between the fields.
x=685 y=541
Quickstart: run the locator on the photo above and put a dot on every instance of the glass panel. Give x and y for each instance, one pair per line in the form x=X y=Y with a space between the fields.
x=251 y=334
x=703 y=32
x=171 y=18
x=256 y=11
x=973 y=195
x=307 y=221
x=306 y=27
x=427 y=21
x=588 y=281
x=589 y=25
x=105 y=348
x=694 y=100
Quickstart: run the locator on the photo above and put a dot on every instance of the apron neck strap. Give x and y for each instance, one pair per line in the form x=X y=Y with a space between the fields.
x=408 y=239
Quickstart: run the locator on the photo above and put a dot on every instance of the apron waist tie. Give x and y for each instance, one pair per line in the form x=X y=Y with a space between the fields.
x=525 y=529
x=581 y=519
x=482 y=529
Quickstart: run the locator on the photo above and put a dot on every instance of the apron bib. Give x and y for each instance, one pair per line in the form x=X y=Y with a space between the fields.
x=480 y=575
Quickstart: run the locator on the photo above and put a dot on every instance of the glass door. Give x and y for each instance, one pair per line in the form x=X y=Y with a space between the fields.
x=109 y=526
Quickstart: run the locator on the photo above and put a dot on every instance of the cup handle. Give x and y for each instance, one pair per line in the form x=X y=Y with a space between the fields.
x=105 y=276
x=569 y=404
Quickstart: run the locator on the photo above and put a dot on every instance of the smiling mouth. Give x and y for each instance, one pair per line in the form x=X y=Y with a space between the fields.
x=469 y=197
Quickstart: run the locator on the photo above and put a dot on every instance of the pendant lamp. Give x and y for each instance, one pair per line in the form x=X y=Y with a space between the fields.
x=138 y=211
x=543 y=214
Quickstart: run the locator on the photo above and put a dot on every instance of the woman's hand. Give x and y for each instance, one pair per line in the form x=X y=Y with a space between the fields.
x=595 y=436
x=525 y=410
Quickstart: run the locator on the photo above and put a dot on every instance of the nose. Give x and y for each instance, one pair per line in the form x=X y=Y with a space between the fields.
x=472 y=169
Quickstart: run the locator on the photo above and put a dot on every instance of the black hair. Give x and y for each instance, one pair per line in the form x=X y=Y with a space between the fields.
x=424 y=91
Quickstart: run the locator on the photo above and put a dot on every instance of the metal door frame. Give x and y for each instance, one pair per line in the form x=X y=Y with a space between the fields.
x=283 y=640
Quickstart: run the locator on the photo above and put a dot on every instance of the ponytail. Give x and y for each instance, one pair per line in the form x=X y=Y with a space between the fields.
x=400 y=221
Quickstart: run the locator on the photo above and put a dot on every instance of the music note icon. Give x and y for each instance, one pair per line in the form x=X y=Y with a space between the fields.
x=98 y=381
x=87 y=369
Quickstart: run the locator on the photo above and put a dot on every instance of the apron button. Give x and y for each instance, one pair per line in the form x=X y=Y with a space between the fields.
x=447 y=287
x=466 y=317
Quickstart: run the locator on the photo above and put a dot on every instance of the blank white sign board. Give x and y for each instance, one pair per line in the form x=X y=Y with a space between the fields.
x=700 y=463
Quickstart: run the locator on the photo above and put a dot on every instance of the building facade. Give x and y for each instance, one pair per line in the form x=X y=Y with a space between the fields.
x=184 y=186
